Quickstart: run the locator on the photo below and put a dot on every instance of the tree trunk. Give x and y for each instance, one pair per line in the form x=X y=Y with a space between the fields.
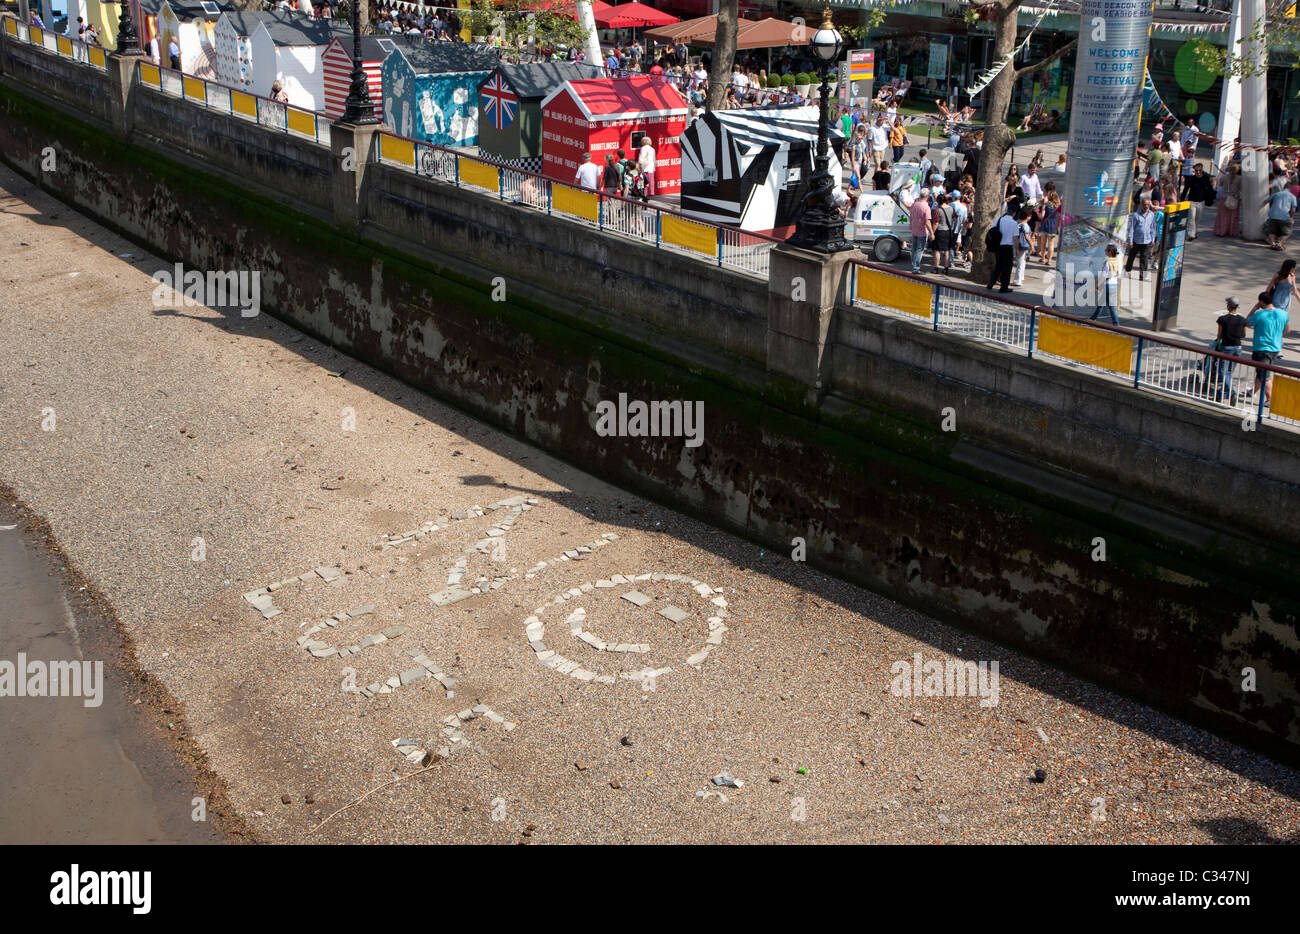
x=998 y=140
x=363 y=17
x=724 y=53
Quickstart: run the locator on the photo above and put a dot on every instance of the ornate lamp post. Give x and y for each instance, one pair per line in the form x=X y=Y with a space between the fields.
x=128 y=43
x=358 y=108
x=821 y=227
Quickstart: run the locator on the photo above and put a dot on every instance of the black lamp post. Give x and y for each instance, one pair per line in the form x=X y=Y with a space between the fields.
x=358 y=108
x=821 y=227
x=128 y=43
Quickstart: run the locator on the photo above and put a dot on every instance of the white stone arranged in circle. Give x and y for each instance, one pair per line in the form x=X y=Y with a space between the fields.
x=535 y=628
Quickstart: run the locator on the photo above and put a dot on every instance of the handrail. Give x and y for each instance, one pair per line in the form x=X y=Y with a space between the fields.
x=1146 y=336
x=503 y=164
x=78 y=50
x=260 y=102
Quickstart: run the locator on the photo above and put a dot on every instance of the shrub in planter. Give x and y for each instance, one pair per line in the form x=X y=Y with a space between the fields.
x=787 y=81
x=773 y=81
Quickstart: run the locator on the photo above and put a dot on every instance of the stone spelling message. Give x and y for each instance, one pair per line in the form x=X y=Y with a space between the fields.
x=1113 y=40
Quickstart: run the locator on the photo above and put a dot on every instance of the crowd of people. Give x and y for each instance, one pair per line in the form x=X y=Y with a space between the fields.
x=620 y=174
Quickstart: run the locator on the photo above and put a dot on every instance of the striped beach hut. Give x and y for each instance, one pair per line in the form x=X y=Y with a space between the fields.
x=338 y=70
x=751 y=167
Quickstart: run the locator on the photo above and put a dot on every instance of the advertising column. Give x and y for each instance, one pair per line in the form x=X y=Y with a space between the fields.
x=1107 y=107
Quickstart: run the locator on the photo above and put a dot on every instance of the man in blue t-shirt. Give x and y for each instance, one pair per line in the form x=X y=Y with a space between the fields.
x=1281 y=212
x=1269 y=324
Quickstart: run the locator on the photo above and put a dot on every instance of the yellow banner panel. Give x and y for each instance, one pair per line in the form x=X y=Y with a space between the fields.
x=242 y=103
x=878 y=288
x=479 y=174
x=574 y=201
x=65 y=46
x=195 y=89
x=150 y=75
x=11 y=26
x=97 y=58
x=396 y=149
x=700 y=238
x=1085 y=344
x=1286 y=397
x=302 y=121
x=36 y=36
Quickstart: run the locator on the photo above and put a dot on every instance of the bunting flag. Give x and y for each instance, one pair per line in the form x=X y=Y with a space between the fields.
x=1153 y=103
x=987 y=78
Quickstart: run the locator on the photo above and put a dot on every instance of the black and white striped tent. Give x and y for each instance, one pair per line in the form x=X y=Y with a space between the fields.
x=751 y=167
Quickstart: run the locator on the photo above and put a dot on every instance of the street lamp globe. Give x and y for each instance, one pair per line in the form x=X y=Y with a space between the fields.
x=826 y=43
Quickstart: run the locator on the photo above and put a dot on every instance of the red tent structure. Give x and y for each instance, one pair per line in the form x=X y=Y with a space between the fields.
x=632 y=16
x=601 y=115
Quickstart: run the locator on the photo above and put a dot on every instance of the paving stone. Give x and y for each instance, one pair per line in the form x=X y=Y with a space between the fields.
x=583 y=550
x=324 y=652
x=538 y=646
x=368 y=641
x=673 y=613
x=253 y=595
x=565 y=667
x=374 y=687
x=494 y=716
x=704 y=590
x=618 y=579
x=571 y=554
x=583 y=674
x=271 y=613
x=635 y=596
x=603 y=584
x=329 y=574
x=331 y=623
x=699 y=657
x=641 y=577
x=610 y=536
x=302 y=640
x=447 y=682
x=508 y=725
x=719 y=601
x=715 y=637
x=586 y=588
x=361 y=611
x=604 y=679
x=545 y=654
x=306 y=576
x=274 y=587
x=413 y=674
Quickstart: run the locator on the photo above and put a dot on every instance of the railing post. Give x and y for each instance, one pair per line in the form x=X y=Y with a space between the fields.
x=1263 y=392
x=853 y=284
x=501 y=182
x=659 y=228
x=455 y=164
x=1033 y=330
x=600 y=211
x=1137 y=366
x=719 y=234
x=934 y=309
x=548 y=196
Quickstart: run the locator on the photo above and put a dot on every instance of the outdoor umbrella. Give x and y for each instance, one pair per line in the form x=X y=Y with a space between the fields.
x=631 y=16
x=690 y=31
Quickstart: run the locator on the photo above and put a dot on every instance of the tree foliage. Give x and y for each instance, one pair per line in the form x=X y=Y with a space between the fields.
x=521 y=24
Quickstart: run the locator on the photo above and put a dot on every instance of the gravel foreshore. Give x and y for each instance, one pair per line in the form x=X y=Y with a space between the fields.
x=197 y=458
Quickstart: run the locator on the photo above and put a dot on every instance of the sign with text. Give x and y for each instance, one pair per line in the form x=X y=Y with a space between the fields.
x=1169 y=281
x=862 y=75
x=1108 y=82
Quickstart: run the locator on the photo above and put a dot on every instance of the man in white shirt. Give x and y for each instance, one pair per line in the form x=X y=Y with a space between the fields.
x=738 y=80
x=588 y=174
x=1008 y=229
x=645 y=160
x=1176 y=150
x=1031 y=184
x=878 y=136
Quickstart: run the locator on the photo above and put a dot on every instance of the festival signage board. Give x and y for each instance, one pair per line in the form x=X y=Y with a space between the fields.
x=1109 y=76
x=1170 y=278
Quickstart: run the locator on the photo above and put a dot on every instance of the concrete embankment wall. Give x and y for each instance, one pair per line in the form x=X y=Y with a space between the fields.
x=992 y=526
